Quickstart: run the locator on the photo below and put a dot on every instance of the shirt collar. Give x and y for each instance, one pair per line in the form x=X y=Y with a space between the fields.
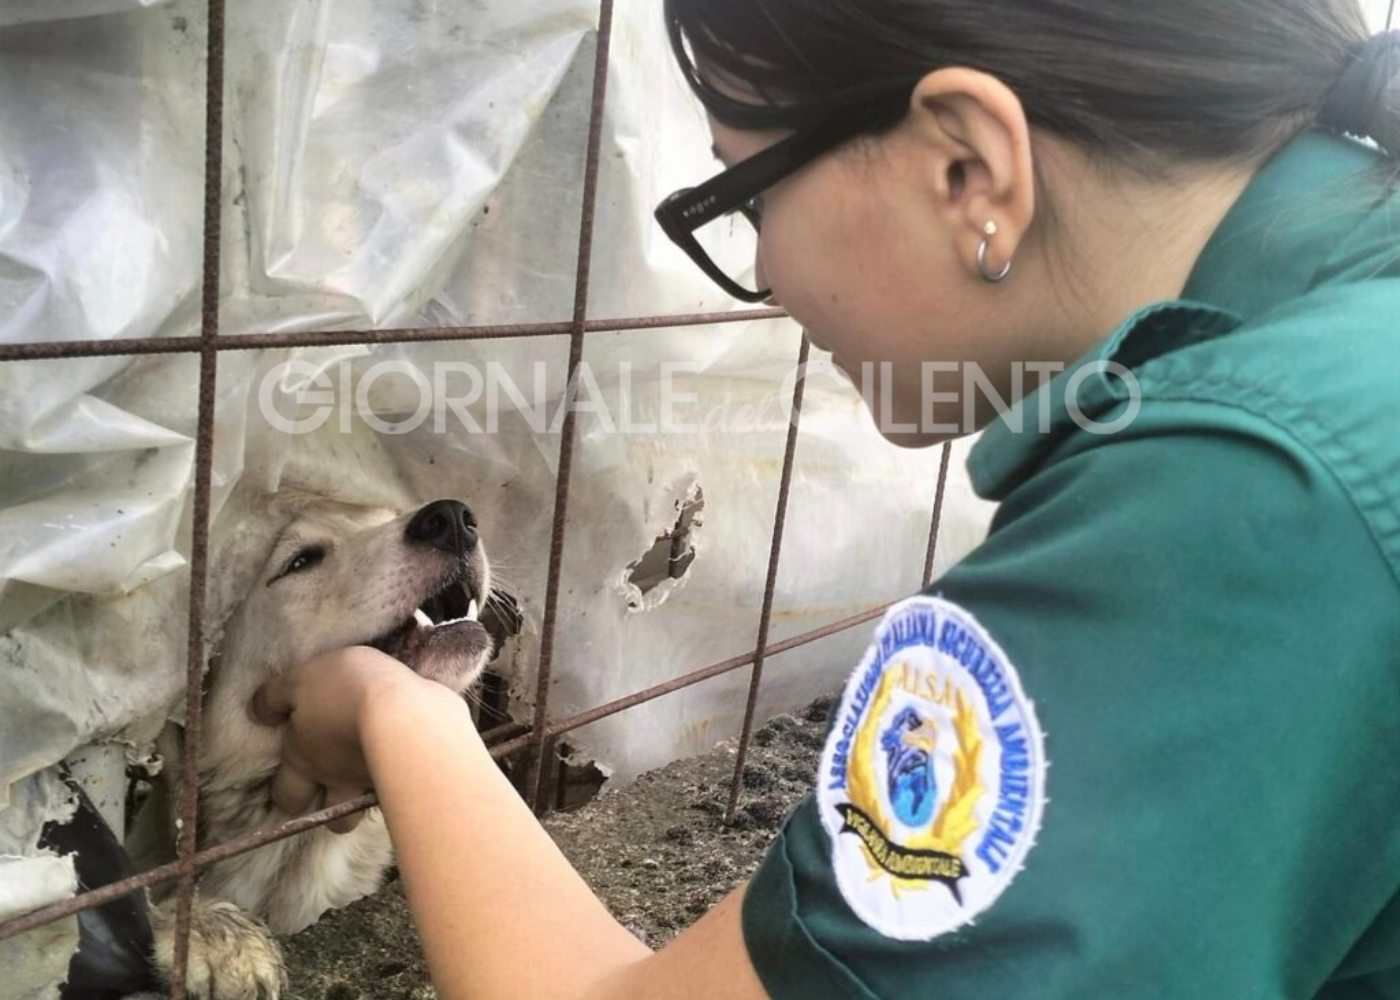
x=1277 y=241
x=1294 y=227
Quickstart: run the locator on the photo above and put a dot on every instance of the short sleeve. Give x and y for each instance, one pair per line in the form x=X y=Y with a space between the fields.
x=1211 y=642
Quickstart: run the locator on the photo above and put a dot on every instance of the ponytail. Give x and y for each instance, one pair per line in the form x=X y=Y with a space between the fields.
x=1146 y=83
x=1366 y=101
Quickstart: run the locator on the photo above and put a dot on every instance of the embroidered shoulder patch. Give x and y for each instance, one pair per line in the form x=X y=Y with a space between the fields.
x=932 y=782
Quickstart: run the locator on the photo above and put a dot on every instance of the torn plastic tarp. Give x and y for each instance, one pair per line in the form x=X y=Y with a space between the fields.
x=397 y=164
x=29 y=878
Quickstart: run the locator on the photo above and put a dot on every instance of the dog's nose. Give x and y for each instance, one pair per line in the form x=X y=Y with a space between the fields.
x=446 y=525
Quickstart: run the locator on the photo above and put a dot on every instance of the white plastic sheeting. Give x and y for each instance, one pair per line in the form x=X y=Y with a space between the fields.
x=403 y=163
x=1379 y=13
x=21 y=11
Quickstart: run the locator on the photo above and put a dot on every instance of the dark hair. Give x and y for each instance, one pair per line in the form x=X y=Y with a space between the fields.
x=1151 y=81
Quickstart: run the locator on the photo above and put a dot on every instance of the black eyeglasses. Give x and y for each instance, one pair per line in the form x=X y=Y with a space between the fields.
x=693 y=217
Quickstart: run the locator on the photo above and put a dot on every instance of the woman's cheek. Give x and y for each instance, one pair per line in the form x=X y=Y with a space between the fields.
x=798 y=278
x=760 y=273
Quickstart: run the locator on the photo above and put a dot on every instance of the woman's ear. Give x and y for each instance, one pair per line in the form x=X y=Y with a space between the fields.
x=975 y=152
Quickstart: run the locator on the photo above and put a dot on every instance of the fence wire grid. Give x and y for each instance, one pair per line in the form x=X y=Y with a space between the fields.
x=536 y=739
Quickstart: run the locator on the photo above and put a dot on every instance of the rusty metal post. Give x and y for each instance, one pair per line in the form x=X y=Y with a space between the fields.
x=770 y=585
x=937 y=515
x=204 y=464
x=545 y=670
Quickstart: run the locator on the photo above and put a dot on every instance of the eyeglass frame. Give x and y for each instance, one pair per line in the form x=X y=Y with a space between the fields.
x=738 y=189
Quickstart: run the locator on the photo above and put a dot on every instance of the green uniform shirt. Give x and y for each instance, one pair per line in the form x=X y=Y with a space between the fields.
x=1145 y=741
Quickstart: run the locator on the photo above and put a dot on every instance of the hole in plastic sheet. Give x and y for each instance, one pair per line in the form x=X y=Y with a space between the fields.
x=672 y=555
x=578 y=781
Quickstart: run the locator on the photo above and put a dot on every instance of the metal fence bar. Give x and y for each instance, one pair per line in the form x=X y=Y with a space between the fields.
x=86 y=901
x=770 y=586
x=503 y=732
x=520 y=740
x=612 y=708
x=204 y=464
x=203 y=859
x=690 y=319
x=937 y=514
x=545 y=665
x=119 y=346
x=67 y=349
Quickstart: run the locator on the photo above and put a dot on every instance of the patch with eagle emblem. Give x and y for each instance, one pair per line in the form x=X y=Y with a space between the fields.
x=932 y=783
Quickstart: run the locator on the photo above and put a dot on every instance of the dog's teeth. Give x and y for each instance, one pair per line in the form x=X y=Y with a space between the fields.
x=470 y=616
x=421 y=617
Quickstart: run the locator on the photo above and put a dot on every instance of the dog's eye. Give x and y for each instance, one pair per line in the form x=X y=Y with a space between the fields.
x=305 y=559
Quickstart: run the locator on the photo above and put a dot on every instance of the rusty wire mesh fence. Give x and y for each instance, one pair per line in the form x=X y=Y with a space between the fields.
x=534 y=742
x=537 y=739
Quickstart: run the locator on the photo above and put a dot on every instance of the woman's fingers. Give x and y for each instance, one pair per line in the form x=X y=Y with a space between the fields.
x=315 y=704
x=296 y=794
x=335 y=797
x=293 y=792
x=272 y=702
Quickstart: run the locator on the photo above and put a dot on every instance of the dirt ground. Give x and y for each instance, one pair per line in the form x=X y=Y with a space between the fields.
x=656 y=851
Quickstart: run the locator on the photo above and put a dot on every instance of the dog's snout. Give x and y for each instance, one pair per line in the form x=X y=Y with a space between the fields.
x=446 y=525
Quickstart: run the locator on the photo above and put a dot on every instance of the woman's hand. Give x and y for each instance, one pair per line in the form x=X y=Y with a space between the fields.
x=322 y=703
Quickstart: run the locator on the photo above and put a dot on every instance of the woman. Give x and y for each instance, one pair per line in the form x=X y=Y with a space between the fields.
x=1188 y=602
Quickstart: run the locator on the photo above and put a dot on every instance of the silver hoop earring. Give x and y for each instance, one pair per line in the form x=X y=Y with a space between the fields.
x=992 y=278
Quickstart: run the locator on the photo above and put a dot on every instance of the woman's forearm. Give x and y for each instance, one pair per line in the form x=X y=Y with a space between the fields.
x=501 y=913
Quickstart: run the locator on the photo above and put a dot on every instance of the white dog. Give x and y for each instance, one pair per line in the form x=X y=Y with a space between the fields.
x=409 y=584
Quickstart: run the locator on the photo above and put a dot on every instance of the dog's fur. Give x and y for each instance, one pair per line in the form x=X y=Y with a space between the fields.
x=360 y=585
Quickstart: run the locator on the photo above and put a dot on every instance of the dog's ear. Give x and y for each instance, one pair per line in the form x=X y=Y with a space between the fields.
x=242 y=538
x=351 y=467
x=291 y=502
